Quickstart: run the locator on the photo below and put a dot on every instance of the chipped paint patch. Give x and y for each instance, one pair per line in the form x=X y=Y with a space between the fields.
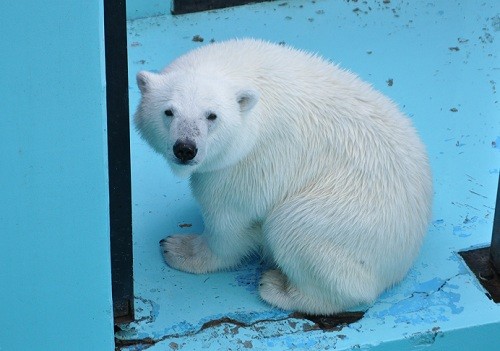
x=430 y=302
x=460 y=232
x=424 y=339
x=288 y=330
x=496 y=143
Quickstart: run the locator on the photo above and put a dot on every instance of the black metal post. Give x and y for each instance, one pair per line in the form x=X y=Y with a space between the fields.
x=495 y=239
x=485 y=262
x=120 y=198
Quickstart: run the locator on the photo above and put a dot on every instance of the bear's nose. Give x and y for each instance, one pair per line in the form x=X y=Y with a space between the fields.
x=185 y=150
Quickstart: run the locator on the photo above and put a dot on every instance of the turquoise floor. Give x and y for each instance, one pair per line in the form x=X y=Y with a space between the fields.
x=439 y=61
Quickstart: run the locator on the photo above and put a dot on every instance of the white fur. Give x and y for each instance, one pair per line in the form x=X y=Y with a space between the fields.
x=304 y=161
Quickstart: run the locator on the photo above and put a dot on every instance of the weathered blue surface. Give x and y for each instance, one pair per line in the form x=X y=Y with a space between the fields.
x=439 y=62
x=147 y=8
x=55 y=284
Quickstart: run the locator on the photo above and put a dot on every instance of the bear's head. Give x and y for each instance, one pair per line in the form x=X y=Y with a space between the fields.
x=199 y=123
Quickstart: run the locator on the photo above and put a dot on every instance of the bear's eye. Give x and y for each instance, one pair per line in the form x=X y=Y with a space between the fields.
x=169 y=113
x=211 y=116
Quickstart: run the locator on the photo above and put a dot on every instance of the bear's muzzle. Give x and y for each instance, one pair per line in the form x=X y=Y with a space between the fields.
x=185 y=150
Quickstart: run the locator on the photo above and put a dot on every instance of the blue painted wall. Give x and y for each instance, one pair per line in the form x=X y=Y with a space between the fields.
x=55 y=285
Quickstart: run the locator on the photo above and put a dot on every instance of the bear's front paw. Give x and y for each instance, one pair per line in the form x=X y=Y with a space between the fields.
x=188 y=253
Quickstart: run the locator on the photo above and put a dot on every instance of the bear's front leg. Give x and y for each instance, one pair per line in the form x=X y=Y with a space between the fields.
x=223 y=244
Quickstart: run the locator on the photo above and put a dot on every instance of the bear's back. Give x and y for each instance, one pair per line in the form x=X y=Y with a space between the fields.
x=250 y=58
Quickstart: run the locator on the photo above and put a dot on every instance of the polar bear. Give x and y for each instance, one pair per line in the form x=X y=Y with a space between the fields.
x=293 y=157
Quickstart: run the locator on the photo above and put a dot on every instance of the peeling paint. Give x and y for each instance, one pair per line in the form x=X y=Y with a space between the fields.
x=496 y=143
x=425 y=338
x=431 y=301
x=460 y=232
x=272 y=328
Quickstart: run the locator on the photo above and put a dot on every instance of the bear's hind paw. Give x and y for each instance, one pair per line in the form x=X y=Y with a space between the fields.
x=275 y=289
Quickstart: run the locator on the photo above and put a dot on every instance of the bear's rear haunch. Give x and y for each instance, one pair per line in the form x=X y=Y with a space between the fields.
x=292 y=156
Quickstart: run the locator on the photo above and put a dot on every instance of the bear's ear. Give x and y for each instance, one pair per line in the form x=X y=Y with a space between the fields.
x=143 y=80
x=247 y=99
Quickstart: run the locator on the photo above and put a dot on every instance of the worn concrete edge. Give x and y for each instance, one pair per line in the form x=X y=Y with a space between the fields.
x=244 y=337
